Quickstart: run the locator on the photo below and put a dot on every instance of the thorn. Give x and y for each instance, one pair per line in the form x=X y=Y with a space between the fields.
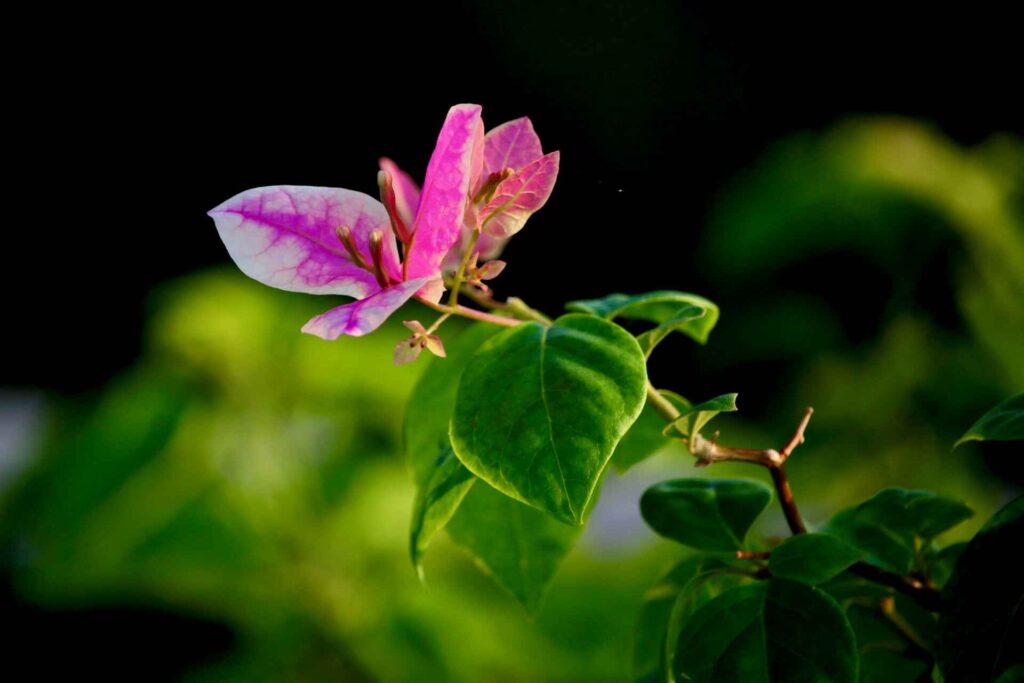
x=798 y=435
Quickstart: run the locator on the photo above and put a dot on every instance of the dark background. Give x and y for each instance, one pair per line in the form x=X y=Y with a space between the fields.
x=128 y=128
x=126 y=136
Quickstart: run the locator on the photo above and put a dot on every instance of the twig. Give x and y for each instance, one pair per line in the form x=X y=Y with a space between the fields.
x=926 y=596
x=786 y=499
x=752 y=554
x=709 y=451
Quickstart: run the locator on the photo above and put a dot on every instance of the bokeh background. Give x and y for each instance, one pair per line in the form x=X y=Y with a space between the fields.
x=189 y=488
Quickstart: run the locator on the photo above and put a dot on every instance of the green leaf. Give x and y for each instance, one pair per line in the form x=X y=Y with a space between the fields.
x=692 y=420
x=650 y=633
x=713 y=579
x=982 y=624
x=684 y=320
x=441 y=480
x=540 y=410
x=689 y=584
x=893 y=525
x=429 y=409
x=886 y=655
x=646 y=437
x=776 y=630
x=812 y=558
x=1005 y=422
x=437 y=502
x=939 y=564
x=688 y=314
x=519 y=546
x=708 y=514
x=848 y=587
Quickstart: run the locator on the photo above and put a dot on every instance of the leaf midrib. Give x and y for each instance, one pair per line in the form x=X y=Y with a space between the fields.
x=551 y=426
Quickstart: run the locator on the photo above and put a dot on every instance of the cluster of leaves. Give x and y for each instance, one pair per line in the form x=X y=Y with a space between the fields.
x=508 y=440
x=803 y=611
x=536 y=412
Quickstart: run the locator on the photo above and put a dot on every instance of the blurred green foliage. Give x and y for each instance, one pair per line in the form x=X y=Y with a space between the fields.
x=883 y=267
x=247 y=473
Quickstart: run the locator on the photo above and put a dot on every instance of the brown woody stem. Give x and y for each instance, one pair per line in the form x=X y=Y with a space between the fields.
x=786 y=499
x=708 y=452
x=752 y=554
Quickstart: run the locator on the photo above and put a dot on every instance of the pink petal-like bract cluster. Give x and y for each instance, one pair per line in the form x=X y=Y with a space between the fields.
x=324 y=240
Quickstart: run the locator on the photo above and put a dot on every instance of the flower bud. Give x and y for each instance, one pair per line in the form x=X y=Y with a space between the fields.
x=387 y=198
x=377 y=254
x=348 y=241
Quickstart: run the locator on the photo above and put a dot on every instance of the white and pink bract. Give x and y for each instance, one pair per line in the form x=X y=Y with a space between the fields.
x=323 y=240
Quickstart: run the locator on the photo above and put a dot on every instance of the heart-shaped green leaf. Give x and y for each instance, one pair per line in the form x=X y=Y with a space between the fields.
x=812 y=558
x=429 y=408
x=660 y=604
x=770 y=631
x=671 y=311
x=708 y=514
x=540 y=410
x=521 y=547
x=690 y=320
x=657 y=307
x=1005 y=422
x=437 y=502
x=886 y=654
x=893 y=524
x=692 y=419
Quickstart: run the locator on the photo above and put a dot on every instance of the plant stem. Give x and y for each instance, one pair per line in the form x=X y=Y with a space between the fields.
x=518 y=308
x=708 y=452
x=927 y=597
x=752 y=554
x=486 y=300
x=470 y=313
x=453 y=300
x=437 y=323
x=786 y=499
x=661 y=405
x=514 y=306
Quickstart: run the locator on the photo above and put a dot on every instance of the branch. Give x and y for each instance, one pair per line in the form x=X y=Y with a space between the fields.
x=708 y=452
x=925 y=595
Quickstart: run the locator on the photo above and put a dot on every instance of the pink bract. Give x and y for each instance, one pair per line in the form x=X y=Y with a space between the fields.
x=322 y=240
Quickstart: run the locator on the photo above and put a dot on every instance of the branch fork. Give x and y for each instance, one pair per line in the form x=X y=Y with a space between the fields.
x=708 y=451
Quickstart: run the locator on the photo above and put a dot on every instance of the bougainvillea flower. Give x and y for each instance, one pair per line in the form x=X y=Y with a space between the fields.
x=516 y=180
x=323 y=240
x=408 y=350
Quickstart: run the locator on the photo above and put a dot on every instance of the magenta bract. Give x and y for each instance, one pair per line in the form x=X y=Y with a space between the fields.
x=323 y=240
